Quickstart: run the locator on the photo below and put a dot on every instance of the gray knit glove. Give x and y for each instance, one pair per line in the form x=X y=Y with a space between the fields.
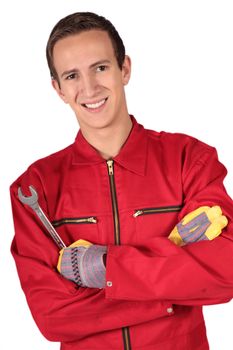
x=83 y=265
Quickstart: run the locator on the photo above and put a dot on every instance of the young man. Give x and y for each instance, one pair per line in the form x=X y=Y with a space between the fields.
x=114 y=196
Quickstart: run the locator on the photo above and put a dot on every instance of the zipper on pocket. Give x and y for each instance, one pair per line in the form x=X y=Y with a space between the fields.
x=159 y=210
x=84 y=220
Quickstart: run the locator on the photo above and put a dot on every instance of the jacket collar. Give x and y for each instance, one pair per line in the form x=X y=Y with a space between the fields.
x=132 y=156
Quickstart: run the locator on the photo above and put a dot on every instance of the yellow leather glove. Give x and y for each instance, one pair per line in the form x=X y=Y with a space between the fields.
x=204 y=223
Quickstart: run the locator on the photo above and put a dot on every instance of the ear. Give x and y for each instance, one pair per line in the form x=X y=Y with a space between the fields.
x=126 y=70
x=57 y=88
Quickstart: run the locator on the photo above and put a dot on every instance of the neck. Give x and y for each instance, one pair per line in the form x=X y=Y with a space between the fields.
x=108 y=141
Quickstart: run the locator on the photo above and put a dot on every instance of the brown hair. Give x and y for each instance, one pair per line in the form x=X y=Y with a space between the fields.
x=79 y=22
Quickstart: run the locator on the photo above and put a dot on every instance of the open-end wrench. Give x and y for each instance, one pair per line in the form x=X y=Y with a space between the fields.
x=32 y=201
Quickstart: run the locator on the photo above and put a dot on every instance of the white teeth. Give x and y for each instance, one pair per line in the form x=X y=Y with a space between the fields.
x=95 y=105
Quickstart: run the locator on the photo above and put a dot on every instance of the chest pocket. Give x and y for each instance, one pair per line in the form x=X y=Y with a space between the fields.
x=73 y=228
x=155 y=221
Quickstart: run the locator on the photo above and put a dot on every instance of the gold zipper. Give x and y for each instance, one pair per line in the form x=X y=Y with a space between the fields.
x=114 y=202
x=126 y=337
x=86 y=220
x=110 y=164
x=170 y=209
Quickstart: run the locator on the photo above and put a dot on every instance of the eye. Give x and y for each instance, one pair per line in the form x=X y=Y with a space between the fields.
x=101 y=68
x=71 y=76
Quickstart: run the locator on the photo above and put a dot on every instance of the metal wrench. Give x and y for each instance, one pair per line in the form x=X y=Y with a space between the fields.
x=32 y=201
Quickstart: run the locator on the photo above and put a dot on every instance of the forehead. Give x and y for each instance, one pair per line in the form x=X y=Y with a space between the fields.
x=83 y=47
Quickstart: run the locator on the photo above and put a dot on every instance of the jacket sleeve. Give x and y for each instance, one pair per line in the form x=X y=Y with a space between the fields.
x=63 y=312
x=197 y=274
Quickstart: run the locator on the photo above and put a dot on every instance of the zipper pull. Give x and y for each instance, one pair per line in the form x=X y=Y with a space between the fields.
x=92 y=220
x=110 y=166
x=138 y=213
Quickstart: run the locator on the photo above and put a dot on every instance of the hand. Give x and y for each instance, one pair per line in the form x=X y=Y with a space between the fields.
x=204 y=223
x=82 y=262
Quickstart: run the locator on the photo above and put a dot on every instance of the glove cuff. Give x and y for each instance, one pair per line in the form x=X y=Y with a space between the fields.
x=91 y=268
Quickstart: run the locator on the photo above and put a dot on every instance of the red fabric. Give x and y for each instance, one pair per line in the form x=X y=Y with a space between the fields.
x=147 y=274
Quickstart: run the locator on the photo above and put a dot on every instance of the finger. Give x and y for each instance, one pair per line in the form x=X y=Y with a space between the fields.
x=214 y=212
x=221 y=221
x=216 y=227
x=81 y=243
x=213 y=231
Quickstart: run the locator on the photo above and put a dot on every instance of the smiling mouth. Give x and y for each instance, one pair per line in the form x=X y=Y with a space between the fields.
x=96 y=105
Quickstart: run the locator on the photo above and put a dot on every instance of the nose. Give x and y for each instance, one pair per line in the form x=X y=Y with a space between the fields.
x=89 y=85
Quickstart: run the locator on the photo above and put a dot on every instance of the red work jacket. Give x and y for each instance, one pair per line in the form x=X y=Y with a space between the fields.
x=154 y=289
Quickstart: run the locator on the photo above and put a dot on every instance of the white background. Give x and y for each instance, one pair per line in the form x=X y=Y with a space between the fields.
x=182 y=80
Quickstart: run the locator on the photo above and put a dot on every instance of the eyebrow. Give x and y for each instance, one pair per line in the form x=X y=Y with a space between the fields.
x=75 y=70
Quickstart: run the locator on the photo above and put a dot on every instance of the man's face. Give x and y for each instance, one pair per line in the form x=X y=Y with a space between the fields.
x=90 y=80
